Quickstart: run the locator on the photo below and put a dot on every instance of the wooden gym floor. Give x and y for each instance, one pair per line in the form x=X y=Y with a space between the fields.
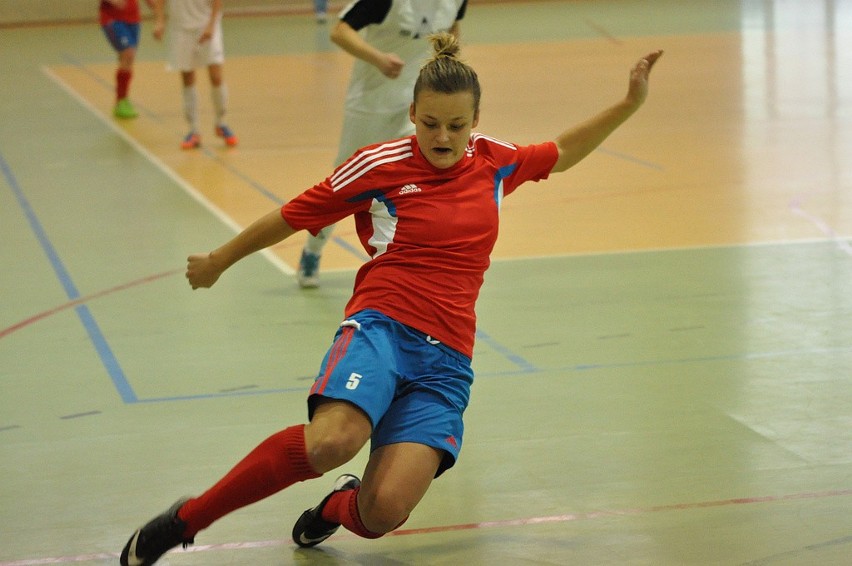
x=664 y=349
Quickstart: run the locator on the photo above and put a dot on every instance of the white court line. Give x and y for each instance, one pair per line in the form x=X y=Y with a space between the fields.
x=168 y=171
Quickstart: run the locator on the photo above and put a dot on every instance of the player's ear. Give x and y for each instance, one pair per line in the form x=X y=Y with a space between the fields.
x=475 y=118
x=411 y=113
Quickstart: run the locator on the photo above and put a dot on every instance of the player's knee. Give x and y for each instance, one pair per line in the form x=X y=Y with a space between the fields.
x=332 y=449
x=382 y=511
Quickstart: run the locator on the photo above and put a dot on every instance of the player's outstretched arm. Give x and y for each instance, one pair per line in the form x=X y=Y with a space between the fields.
x=578 y=142
x=203 y=270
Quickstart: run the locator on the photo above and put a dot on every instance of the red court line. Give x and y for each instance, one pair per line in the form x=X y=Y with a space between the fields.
x=624 y=512
x=469 y=526
x=71 y=304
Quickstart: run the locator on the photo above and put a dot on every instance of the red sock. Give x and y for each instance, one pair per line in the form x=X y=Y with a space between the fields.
x=276 y=463
x=122 y=83
x=342 y=507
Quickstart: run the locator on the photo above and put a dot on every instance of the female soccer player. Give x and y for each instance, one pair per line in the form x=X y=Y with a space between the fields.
x=120 y=21
x=398 y=372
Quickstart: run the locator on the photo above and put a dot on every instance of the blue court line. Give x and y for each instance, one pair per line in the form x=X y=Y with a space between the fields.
x=251 y=182
x=104 y=351
x=741 y=356
x=523 y=364
x=526 y=369
x=199 y=396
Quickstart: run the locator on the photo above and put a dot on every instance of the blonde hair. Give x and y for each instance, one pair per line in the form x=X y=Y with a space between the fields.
x=445 y=72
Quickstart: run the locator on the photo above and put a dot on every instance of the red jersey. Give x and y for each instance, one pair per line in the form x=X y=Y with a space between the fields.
x=129 y=14
x=429 y=231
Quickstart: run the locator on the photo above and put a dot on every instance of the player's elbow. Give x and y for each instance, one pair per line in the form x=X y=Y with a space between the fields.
x=339 y=34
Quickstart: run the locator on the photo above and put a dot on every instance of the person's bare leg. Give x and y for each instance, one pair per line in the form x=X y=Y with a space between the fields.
x=395 y=480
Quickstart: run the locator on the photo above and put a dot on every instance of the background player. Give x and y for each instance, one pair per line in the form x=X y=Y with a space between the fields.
x=388 y=40
x=119 y=20
x=321 y=11
x=195 y=28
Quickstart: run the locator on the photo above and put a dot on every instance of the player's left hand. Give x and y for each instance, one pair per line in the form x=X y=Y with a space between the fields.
x=638 y=89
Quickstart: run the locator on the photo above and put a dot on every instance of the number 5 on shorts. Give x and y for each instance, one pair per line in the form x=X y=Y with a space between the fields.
x=354 y=380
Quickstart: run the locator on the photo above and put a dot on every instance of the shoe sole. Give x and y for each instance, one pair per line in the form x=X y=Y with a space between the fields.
x=309 y=282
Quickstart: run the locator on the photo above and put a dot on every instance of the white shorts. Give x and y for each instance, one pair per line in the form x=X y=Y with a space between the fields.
x=186 y=54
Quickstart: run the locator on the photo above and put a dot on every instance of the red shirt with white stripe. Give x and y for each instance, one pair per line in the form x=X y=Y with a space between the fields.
x=429 y=231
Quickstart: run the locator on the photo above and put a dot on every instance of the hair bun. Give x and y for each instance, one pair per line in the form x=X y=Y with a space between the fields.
x=445 y=45
x=445 y=72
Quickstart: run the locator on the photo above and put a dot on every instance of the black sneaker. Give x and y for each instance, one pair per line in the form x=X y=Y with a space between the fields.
x=311 y=529
x=161 y=534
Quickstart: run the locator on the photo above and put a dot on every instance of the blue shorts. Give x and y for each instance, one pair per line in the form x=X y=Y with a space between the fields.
x=413 y=388
x=121 y=35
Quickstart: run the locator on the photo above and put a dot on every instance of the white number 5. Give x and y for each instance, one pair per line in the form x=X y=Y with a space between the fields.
x=354 y=380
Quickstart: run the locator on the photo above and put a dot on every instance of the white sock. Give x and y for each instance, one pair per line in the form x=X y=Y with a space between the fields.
x=220 y=101
x=190 y=107
x=315 y=244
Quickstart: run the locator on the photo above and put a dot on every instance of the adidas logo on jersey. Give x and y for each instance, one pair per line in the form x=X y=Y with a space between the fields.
x=409 y=189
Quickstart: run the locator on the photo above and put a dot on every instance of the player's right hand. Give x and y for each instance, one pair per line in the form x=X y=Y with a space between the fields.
x=391 y=65
x=201 y=270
